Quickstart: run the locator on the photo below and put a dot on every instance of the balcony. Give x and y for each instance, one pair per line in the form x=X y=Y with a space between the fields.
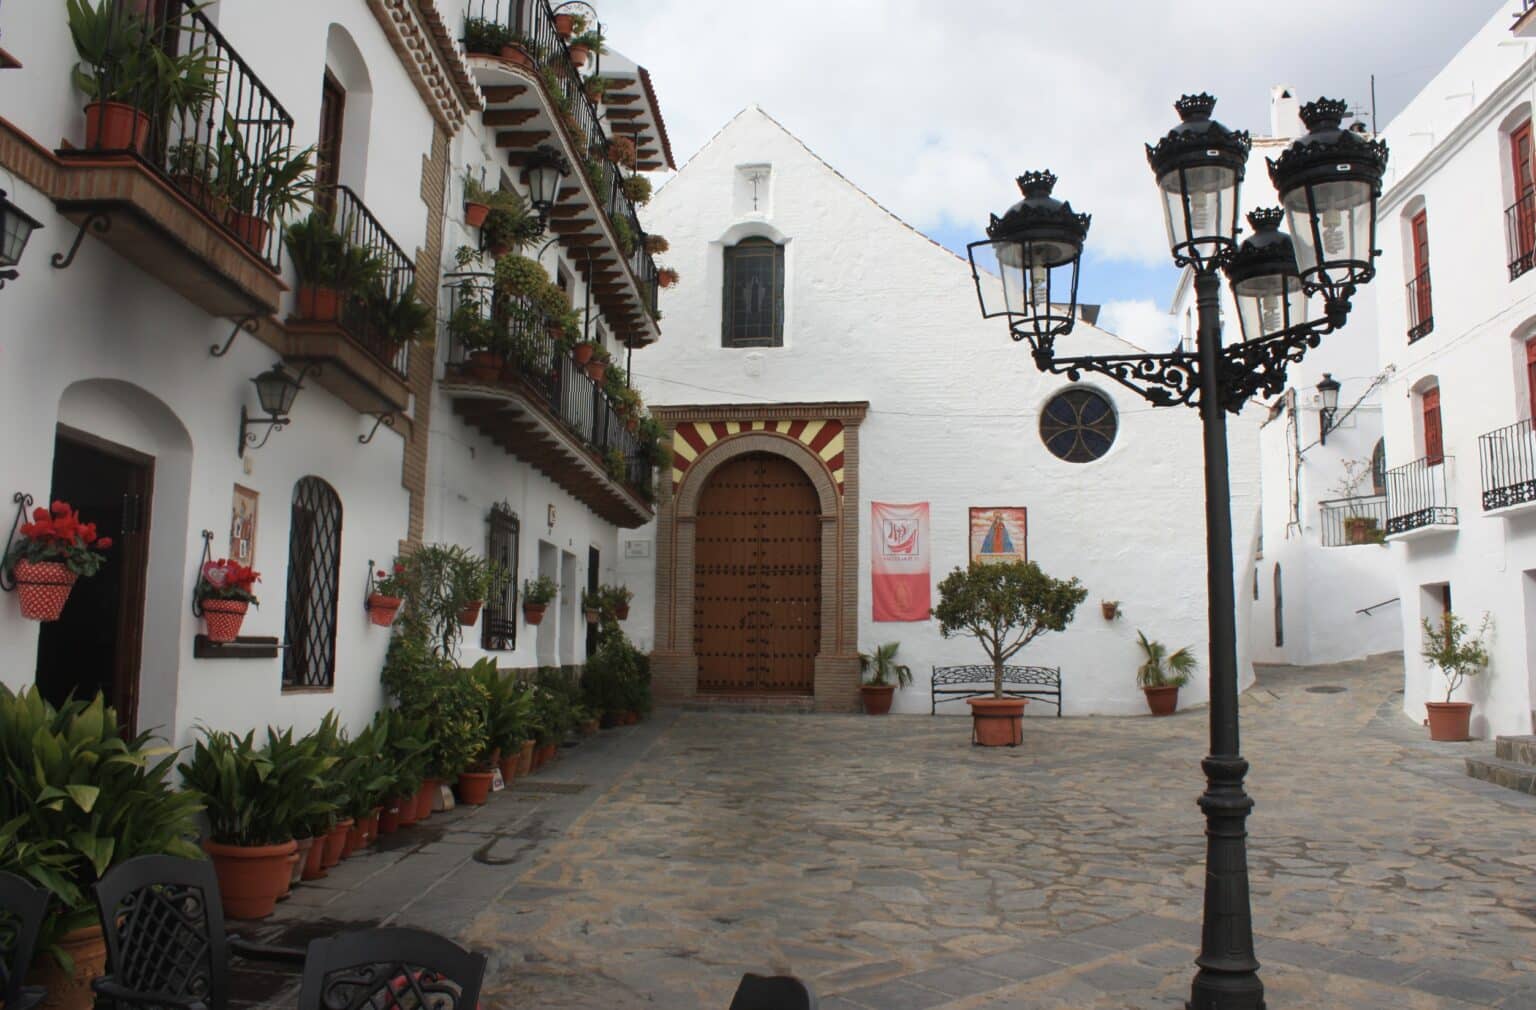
x=176 y=171
x=1421 y=308
x=1418 y=500
x=541 y=407
x=1525 y=20
x=534 y=92
x=1508 y=458
x=1520 y=235
x=1352 y=522
x=360 y=361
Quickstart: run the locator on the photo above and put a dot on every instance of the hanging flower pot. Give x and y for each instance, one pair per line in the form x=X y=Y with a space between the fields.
x=223 y=618
x=470 y=615
x=579 y=54
x=382 y=609
x=475 y=213
x=666 y=277
x=55 y=549
x=582 y=352
x=596 y=369
x=565 y=25
x=593 y=616
x=318 y=304
x=533 y=613
x=44 y=588
x=621 y=611
x=224 y=596
x=116 y=126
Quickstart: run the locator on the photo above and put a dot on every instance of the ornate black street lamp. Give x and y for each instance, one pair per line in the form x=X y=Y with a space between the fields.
x=545 y=171
x=1328 y=396
x=1329 y=182
x=276 y=389
x=16 y=227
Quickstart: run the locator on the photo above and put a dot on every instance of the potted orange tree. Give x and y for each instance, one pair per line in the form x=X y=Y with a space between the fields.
x=55 y=549
x=1162 y=674
x=881 y=668
x=1457 y=656
x=224 y=595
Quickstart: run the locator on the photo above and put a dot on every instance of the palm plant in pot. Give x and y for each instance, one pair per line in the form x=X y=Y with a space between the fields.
x=1457 y=655
x=290 y=758
x=396 y=315
x=537 y=595
x=882 y=676
x=224 y=594
x=1004 y=607
x=55 y=549
x=1162 y=673
x=260 y=184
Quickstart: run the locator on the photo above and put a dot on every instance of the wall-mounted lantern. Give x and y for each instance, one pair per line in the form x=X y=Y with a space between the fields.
x=1328 y=395
x=545 y=171
x=276 y=388
x=16 y=227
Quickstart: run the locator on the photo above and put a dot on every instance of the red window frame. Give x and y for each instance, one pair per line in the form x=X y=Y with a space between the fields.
x=1523 y=164
x=333 y=111
x=1530 y=377
x=1434 y=436
x=1420 y=228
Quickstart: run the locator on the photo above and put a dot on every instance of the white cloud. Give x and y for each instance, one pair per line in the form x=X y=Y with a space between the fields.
x=1141 y=323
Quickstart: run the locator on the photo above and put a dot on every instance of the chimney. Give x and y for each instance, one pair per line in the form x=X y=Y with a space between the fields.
x=1284 y=113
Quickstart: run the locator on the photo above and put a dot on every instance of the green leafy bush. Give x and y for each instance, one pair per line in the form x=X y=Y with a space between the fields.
x=1005 y=607
x=256 y=795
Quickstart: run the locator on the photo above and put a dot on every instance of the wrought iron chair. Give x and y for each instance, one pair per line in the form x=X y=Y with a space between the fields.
x=390 y=968
x=22 y=906
x=776 y=992
x=166 y=945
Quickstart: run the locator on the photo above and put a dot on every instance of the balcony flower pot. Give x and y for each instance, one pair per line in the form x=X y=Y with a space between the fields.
x=116 y=126
x=582 y=352
x=248 y=228
x=517 y=56
x=425 y=797
x=997 y=722
x=382 y=609
x=1361 y=530
x=877 y=697
x=1449 y=720
x=525 y=758
x=87 y=948
x=593 y=615
x=621 y=611
x=596 y=370
x=470 y=615
x=485 y=366
x=250 y=876
x=318 y=304
x=475 y=787
x=223 y=618
x=312 y=868
x=406 y=808
x=1162 y=700
x=565 y=25
x=43 y=588
x=300 y=860
x=335 y=843
x=475 y=213
x=579 y=54
x=533 y=613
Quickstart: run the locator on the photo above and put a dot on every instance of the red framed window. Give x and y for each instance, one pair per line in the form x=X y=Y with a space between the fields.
x=1422 y=305
x=1434 y=441
x=333 y=110
x=1524 y=169
x=1530 y=376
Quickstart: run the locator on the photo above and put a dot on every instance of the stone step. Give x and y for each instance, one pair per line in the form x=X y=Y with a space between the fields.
x=1519 y=749
x=1509 y=774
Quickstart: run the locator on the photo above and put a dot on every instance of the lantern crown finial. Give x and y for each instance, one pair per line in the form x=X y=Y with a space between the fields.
x=1037 y=183
x=1324 y=114
x=1193 y=108
x=1266 y=219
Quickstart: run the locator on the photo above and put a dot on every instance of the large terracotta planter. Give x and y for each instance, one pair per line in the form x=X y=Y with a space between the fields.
x=1162 y=700
x=407 y=807
x=877 y=697
x=582 y=352
x=1449 y=720
x=357 y=838
x=335 y=843
x=382 y=609
x=317 y=304
x=248 y=228
x=533 y=613
x=565 y=25
x=509 y=765
x=997 y=722
x=223 y=618
x=525 y=758
x=250 y=876
x=425 y=796
x=475 y=787
x=313 y=867
x=115 y=126
x=300 y=860
x=43 y=588
x=72 y=990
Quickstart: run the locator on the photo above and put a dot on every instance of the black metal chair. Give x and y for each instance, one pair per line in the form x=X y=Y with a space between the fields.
x=390 y=968
x=773 y=992
x=166 y=945
x=22 y=906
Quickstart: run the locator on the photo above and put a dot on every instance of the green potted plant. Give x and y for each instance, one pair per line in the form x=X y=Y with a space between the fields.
x=54 y=550
x=520 y=277
x=509 y=225
x=224 y=595
x=618 y=599
x=592 y=604
x=883 y=675
x=1359 y=528
x=638 y=189
x=398 y=317
x=537 y=595
x=260 y=184
x=584 y=45
x=409 y=747
x=596 y=87
x=597 y=365
x=655 y=244
x=316 y=250
x=477 y=202
x=614 y=465
x=476 y=580
x=301 y=760
x=479 y=337
x=621 y=150
x=1004 y=607
x=367 y=777
x=386 y=594
x=1162 y=673
x=1457 y=655
x=484 y=36
x=624 y=232
x=567 y=25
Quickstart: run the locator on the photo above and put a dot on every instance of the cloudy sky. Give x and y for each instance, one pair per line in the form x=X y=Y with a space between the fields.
x=933 y=106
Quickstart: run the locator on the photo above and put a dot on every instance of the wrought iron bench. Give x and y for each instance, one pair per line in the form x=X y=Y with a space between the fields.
x=956 y=683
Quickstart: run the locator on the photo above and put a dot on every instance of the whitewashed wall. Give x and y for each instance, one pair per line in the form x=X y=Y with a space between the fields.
x=875 y=311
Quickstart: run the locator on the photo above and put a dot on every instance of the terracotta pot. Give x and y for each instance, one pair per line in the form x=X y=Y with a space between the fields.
x=335 y=843
x=1449 y=720
x=313 y=867
x=197 y=193
x=356 y=838
x=596 y=370
x=301 y=859
x=593 y=616
x=583 y=352
x=579 y=55
x=250 y=229
x=565 y=25
x=389 y=817
x=371 y=827
x=518 y=56
x=250 y=876
x=475 y=213
x=877 y=697
x=525 y=758
x=631 y=717
x=470 y=615
x=551 y=752
x=621 y=611
x=1109 y=610
x=474 y=787
x=1162 y=700
x=1362 y=530
x=382 y=609
x=509 y=765
x=407 y=810
x=43 y=587
x=223 y=618
x=115 y=126
x=72 y=991
x=533 y=613
x=485 y=366
x=589 y=727
x=425 y=797
x=317 y=304
x=498 y=250
x=997 y=722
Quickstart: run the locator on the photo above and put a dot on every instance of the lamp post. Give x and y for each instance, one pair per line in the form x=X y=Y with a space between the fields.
x=1329 y=182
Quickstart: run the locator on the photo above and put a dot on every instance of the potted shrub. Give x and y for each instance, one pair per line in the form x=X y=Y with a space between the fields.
x=477 y=202
x=597 y=366
x=882 y=676
x=621 y=150
x=509 y=225
x=618 y=600
x=509 y=708
x=582 y=352
x=409 y=749
x=638 y=189
x=667 y=277
x=291 y=759
x=520 y=277
x=387 y=594
x=1162 y=673
x=655 y=244
x=224 y=595
x=592 y=605
x=260 y=185
x=397 y=317
x=584 y=45
x=481 y=340
x=475 y=580
x=55 y=549
x=1004 y=607
x=596 y=87
x=1457 y=655
x=316 y=249
x=615 y=465
x=367 y=776
x=537 y=594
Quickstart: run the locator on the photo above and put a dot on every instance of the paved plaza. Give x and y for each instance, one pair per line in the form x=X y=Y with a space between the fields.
x=898 y=868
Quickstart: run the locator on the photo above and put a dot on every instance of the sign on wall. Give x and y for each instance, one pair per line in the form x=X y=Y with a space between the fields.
x=901 y=558
x=242 y=526
x=999 y=535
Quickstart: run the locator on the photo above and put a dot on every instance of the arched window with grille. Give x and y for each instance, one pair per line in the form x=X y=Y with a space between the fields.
x=1379 y=467
x=753 y=308
x=314 y=579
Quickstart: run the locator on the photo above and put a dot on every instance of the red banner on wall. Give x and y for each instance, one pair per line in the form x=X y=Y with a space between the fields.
x=900 y=559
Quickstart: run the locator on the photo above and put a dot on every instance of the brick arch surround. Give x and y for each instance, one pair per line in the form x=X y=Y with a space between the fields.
x=740 y=430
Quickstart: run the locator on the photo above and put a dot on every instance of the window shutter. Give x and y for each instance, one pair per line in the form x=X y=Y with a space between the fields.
x=1524 y=177
x=1530 y=377
x=333 y=106
x=1434 y=444
x=1423 y=306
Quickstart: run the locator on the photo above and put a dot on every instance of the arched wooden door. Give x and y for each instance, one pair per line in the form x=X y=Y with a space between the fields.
x=757 y=579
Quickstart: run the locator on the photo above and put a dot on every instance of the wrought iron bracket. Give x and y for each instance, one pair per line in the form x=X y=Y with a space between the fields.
x=8 y=275
x=197 y=604
x=23 y=502
x=247 y=323
x=385 y=417
x=97 y=220
x=368 y=589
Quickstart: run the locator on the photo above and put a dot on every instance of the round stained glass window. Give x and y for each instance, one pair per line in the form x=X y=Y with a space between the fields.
x=1078 y=425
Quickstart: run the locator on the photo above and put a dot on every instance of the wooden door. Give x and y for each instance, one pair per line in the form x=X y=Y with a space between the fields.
x=1434 y=441
x=333 y=107
x=1423 y=305
x=757 y=579
x=1520 y=149
x=1530 y=378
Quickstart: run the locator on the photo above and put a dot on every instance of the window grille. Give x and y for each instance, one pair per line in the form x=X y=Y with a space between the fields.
x=314 y=577
x=753 y=308
x=499 y=626
x=1078 y=426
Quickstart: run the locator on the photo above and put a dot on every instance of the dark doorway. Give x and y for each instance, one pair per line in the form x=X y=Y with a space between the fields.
x=96 y=644
x=593 y=558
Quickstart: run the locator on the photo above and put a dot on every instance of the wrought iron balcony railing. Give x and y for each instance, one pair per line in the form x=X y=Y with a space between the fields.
x=1418 y=495
x=533 y=361
x=212 y=129
x=1421 y=308
x=1520 y=235
x=1348 y=522
x=361 y=314
x=1508 y=458
x=532 y=23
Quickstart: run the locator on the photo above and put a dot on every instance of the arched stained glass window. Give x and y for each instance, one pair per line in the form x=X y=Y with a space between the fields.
x=753 y=308
x=1078 y=425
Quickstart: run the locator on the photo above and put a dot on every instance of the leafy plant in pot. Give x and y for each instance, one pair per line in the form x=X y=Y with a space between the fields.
x=261 y=184
x=397 y=316
x=882 y=676
x=477 y=202
x=1162 y=673
x=537 y=594
x=592 y=604
x=475 y=580
x=312 y=813
x=1457 y=655
x=509 y=713
x=329 y=267
x=1004 y=607
x=483 y=341
x=224 y=594
x=667 y=277
x=617 y=600
x=409 y=751
x=387 y=594
x=484 y=36
x=367 y=777
x=55 y=549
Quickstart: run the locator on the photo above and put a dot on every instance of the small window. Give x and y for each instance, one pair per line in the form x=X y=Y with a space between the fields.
x=1421 y=310
x=314 y=576
x=753 y=307
x=333 y=111
x=1078 y=426
x=1434 y=439
x=499 y=626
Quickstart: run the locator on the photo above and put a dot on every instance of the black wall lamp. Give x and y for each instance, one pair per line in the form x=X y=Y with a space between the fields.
x=545 y=171
x=16 y=227
x=276 y=388
x=1328 y=394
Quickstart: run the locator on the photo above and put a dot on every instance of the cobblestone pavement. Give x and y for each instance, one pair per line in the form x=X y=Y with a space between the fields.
x=898 y=868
